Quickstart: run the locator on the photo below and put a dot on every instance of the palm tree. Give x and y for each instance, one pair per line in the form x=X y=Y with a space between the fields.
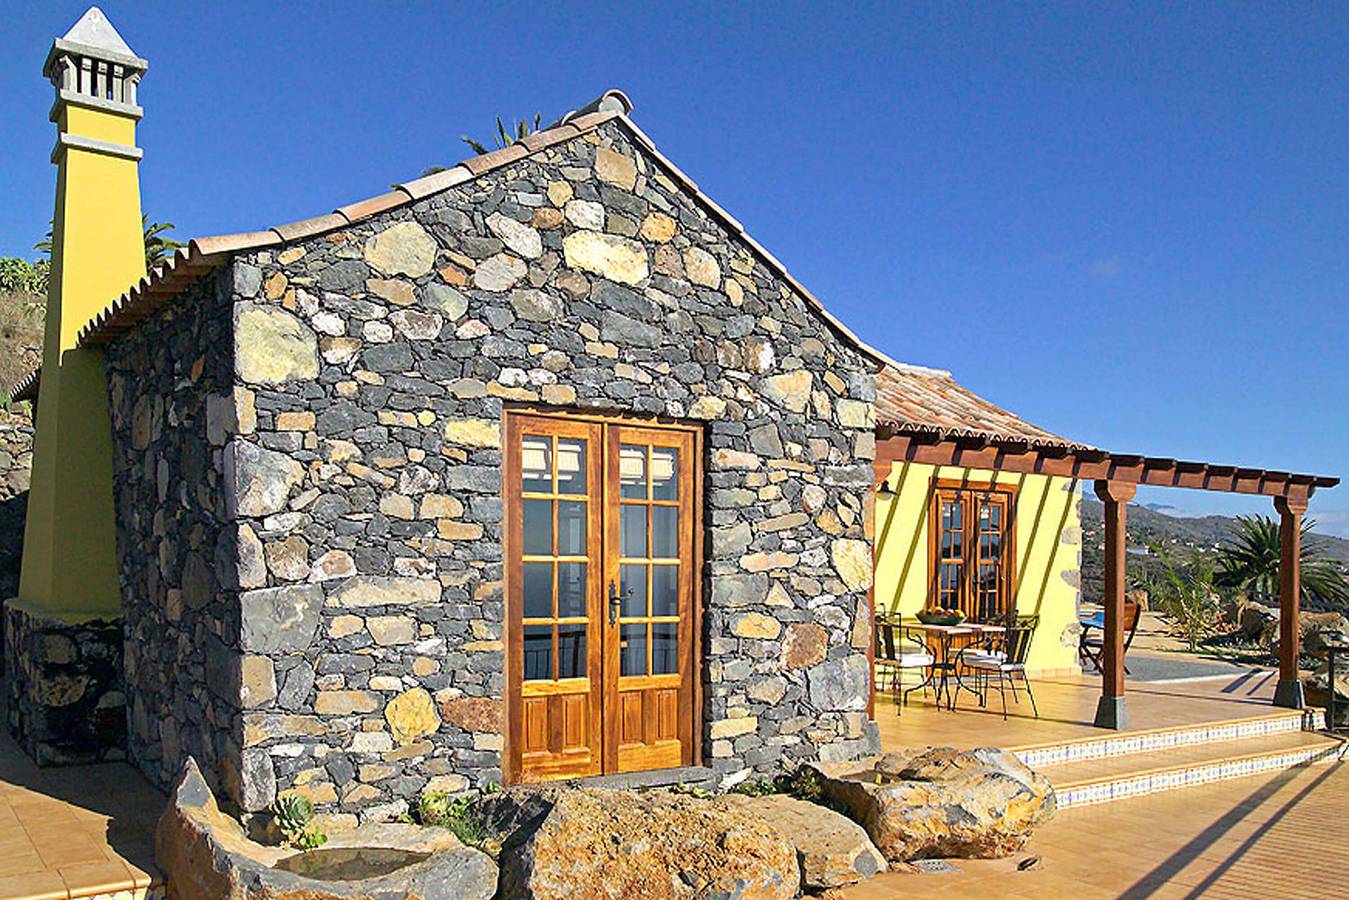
x=157 y=245
x=1250 y=561
x=504 y=138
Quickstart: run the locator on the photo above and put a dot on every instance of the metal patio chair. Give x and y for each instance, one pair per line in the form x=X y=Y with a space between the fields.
x=896 y=656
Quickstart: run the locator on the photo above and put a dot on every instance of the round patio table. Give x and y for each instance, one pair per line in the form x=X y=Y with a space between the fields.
x=944 y=663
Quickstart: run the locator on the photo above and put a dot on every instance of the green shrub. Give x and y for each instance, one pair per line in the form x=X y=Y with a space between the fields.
x=461 y=815
x=294 y=818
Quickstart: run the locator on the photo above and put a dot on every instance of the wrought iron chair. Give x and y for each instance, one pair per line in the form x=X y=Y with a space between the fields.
x=1002 y=658
x=1090 y=649
x=894 y=658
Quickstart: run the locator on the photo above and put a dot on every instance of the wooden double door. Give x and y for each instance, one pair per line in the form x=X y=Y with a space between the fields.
x=602 y=576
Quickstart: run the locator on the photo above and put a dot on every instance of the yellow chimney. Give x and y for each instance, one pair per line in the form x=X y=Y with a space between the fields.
x=69 y=551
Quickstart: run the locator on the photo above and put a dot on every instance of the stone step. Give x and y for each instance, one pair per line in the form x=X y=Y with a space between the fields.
x=1042 y=756
x=686 y=776
x=1102 y=780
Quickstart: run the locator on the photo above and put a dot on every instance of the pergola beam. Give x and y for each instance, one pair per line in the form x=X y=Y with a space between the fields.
x=1096 y=465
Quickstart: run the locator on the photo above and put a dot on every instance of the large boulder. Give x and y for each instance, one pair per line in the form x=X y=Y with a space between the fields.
x=1315 y=630
x=833 y=850
x=942 y=802
x=1317 y=690
x=577 y=844
x=205 y=855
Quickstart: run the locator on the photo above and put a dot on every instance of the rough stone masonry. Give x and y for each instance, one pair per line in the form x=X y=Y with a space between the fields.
x=309 y=494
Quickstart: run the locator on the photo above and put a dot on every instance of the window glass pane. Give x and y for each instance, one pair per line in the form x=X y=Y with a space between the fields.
x=538 y=528
x=665 y=532
x=538 y=648
x=632 y=526
x=538 y=590
x=632 y=587
x=665 y=590
x=664 y=473
x=571 y=651
x=571 y=466
x=571 y=590
x=632 y=649
x=571 y=527
x=536 y=464
x=664 y=648
x=632 y=472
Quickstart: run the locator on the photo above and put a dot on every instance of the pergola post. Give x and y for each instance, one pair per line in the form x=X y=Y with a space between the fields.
x=1112 y=711
x=1289 y=691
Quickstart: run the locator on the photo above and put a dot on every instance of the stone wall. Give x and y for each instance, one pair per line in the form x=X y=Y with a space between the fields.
x=16 y=464
x=372 y=369
x=64 y=684
x=171 y=402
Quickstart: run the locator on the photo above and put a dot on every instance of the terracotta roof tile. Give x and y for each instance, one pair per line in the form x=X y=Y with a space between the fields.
x=373 y=206
x=495 y=160
x=436 y=182
x=915 y=399
x=294 y=231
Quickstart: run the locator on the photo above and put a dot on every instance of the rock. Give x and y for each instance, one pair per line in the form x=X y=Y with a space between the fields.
x=942 y=802
x=656 y=845
x=262 y=478
x=1255 y=618
x=377 y=590
x=791 y=389
x=278 y=620
x=840 y=684
x=616 y=258
x=345 y=703
x=446 y=299
x=852 y=560
x=499 y=273
x=257 y=681
x=411 y=715
x=1317 y=689
x=332 y=565
x=756 y=625
x=402 y=249
x=395 y=290
x=657 y=227
x=834 y=851
x=473 y=432
x=205 y=854
x=417 y=325
x=517 y=237
x=702 y=267
x=855 y=414
x=535 y=306
x=198 y=585
x=288 y=560
x=483 y=715
x=389 y=631
x=615 y=168
x=585 y=214
x=271 y=346
x=805 y=645
x=1320 y=629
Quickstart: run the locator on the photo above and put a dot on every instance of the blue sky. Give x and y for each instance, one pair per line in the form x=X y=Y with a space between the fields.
x=1125 y=222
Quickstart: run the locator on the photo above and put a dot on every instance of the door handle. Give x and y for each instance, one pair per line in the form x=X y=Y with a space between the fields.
x=613 y=604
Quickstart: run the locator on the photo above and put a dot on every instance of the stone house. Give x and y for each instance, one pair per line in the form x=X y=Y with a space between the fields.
x=536 y=467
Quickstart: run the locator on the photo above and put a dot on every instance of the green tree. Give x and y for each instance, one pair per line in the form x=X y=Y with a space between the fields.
x=1187 y=594
x=505 y=137
x=157 y=244
x=1249 y=561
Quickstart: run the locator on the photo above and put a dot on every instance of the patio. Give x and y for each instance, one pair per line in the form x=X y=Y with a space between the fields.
x=75 y=832
x=1067 y=710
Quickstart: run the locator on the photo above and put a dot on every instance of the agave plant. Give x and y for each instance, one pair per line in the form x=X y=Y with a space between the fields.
x=504 y=137
x=1249 y=561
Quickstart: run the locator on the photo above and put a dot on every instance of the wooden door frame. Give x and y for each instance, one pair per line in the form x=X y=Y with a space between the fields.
x=512 y=646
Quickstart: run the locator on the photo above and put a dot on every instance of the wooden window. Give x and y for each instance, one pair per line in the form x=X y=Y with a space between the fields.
x=971 y=557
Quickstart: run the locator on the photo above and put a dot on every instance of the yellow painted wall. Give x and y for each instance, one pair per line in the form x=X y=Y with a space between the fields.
x=1048 y=542
x=69 y=551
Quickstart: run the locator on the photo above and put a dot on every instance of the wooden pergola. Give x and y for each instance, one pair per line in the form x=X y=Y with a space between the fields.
x=1116 y=478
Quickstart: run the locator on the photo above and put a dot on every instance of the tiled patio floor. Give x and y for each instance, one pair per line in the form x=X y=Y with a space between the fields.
x=78 y=831
x=1067 y=706
x=1280 y=836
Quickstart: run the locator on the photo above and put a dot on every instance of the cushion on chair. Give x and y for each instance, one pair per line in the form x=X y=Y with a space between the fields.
x=994 y=665
x=915 y=660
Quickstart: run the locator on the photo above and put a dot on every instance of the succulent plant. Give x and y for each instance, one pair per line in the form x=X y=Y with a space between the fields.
x=293 y=815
